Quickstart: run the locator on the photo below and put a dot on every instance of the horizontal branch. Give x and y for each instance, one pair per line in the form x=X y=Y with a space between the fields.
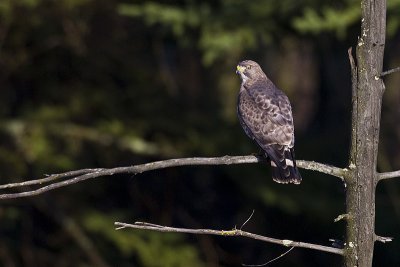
x=49 y=178
x=390 y=71
x=383 y=239
x=388 y=175
x=229 y=233
x=85 y=174
x=323 y=168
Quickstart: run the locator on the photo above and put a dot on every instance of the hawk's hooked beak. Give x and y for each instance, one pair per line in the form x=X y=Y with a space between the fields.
x=240 y=69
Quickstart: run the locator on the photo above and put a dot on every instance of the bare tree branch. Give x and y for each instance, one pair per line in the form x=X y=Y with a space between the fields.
x=388 y=175
x=85 y=174
x=323 y=168
x=229 y=233
x=383 y=239
x=49 y=178
x=390 y=71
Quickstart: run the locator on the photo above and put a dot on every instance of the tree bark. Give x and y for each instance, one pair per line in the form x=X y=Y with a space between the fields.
x=368 y=89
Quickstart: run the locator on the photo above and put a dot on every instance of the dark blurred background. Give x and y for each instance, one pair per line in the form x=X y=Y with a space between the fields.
x=104 y=83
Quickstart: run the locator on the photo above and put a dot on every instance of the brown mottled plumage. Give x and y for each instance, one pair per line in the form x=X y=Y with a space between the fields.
x=265 y=114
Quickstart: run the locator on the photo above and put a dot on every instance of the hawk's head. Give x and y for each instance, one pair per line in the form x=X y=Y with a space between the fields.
x=249 y=70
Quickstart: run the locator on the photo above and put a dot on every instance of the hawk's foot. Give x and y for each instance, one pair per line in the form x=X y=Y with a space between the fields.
x=260 y=154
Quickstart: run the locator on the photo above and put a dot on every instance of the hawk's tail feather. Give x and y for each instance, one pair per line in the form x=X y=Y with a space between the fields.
x=283 y=165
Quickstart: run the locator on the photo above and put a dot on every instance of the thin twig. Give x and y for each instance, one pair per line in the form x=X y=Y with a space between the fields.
x=41 y=190
x=136 y=169
x=388 y=175
x=390 y=71
x=248 y=219
x=229 y=233
x=49 y=178
x=265 y=264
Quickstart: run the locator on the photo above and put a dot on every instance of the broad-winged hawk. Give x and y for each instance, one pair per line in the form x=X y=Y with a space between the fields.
x=265 y=114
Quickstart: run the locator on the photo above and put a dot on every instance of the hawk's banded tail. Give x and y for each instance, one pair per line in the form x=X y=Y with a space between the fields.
x=283 y=164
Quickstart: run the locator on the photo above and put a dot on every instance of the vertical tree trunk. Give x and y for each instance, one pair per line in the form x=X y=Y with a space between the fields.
x=368 y=89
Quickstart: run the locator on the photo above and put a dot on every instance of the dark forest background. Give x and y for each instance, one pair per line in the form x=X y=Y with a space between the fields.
x=87 y=84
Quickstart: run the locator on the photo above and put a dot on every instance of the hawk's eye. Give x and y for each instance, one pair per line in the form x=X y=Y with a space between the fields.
x=248 y=67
